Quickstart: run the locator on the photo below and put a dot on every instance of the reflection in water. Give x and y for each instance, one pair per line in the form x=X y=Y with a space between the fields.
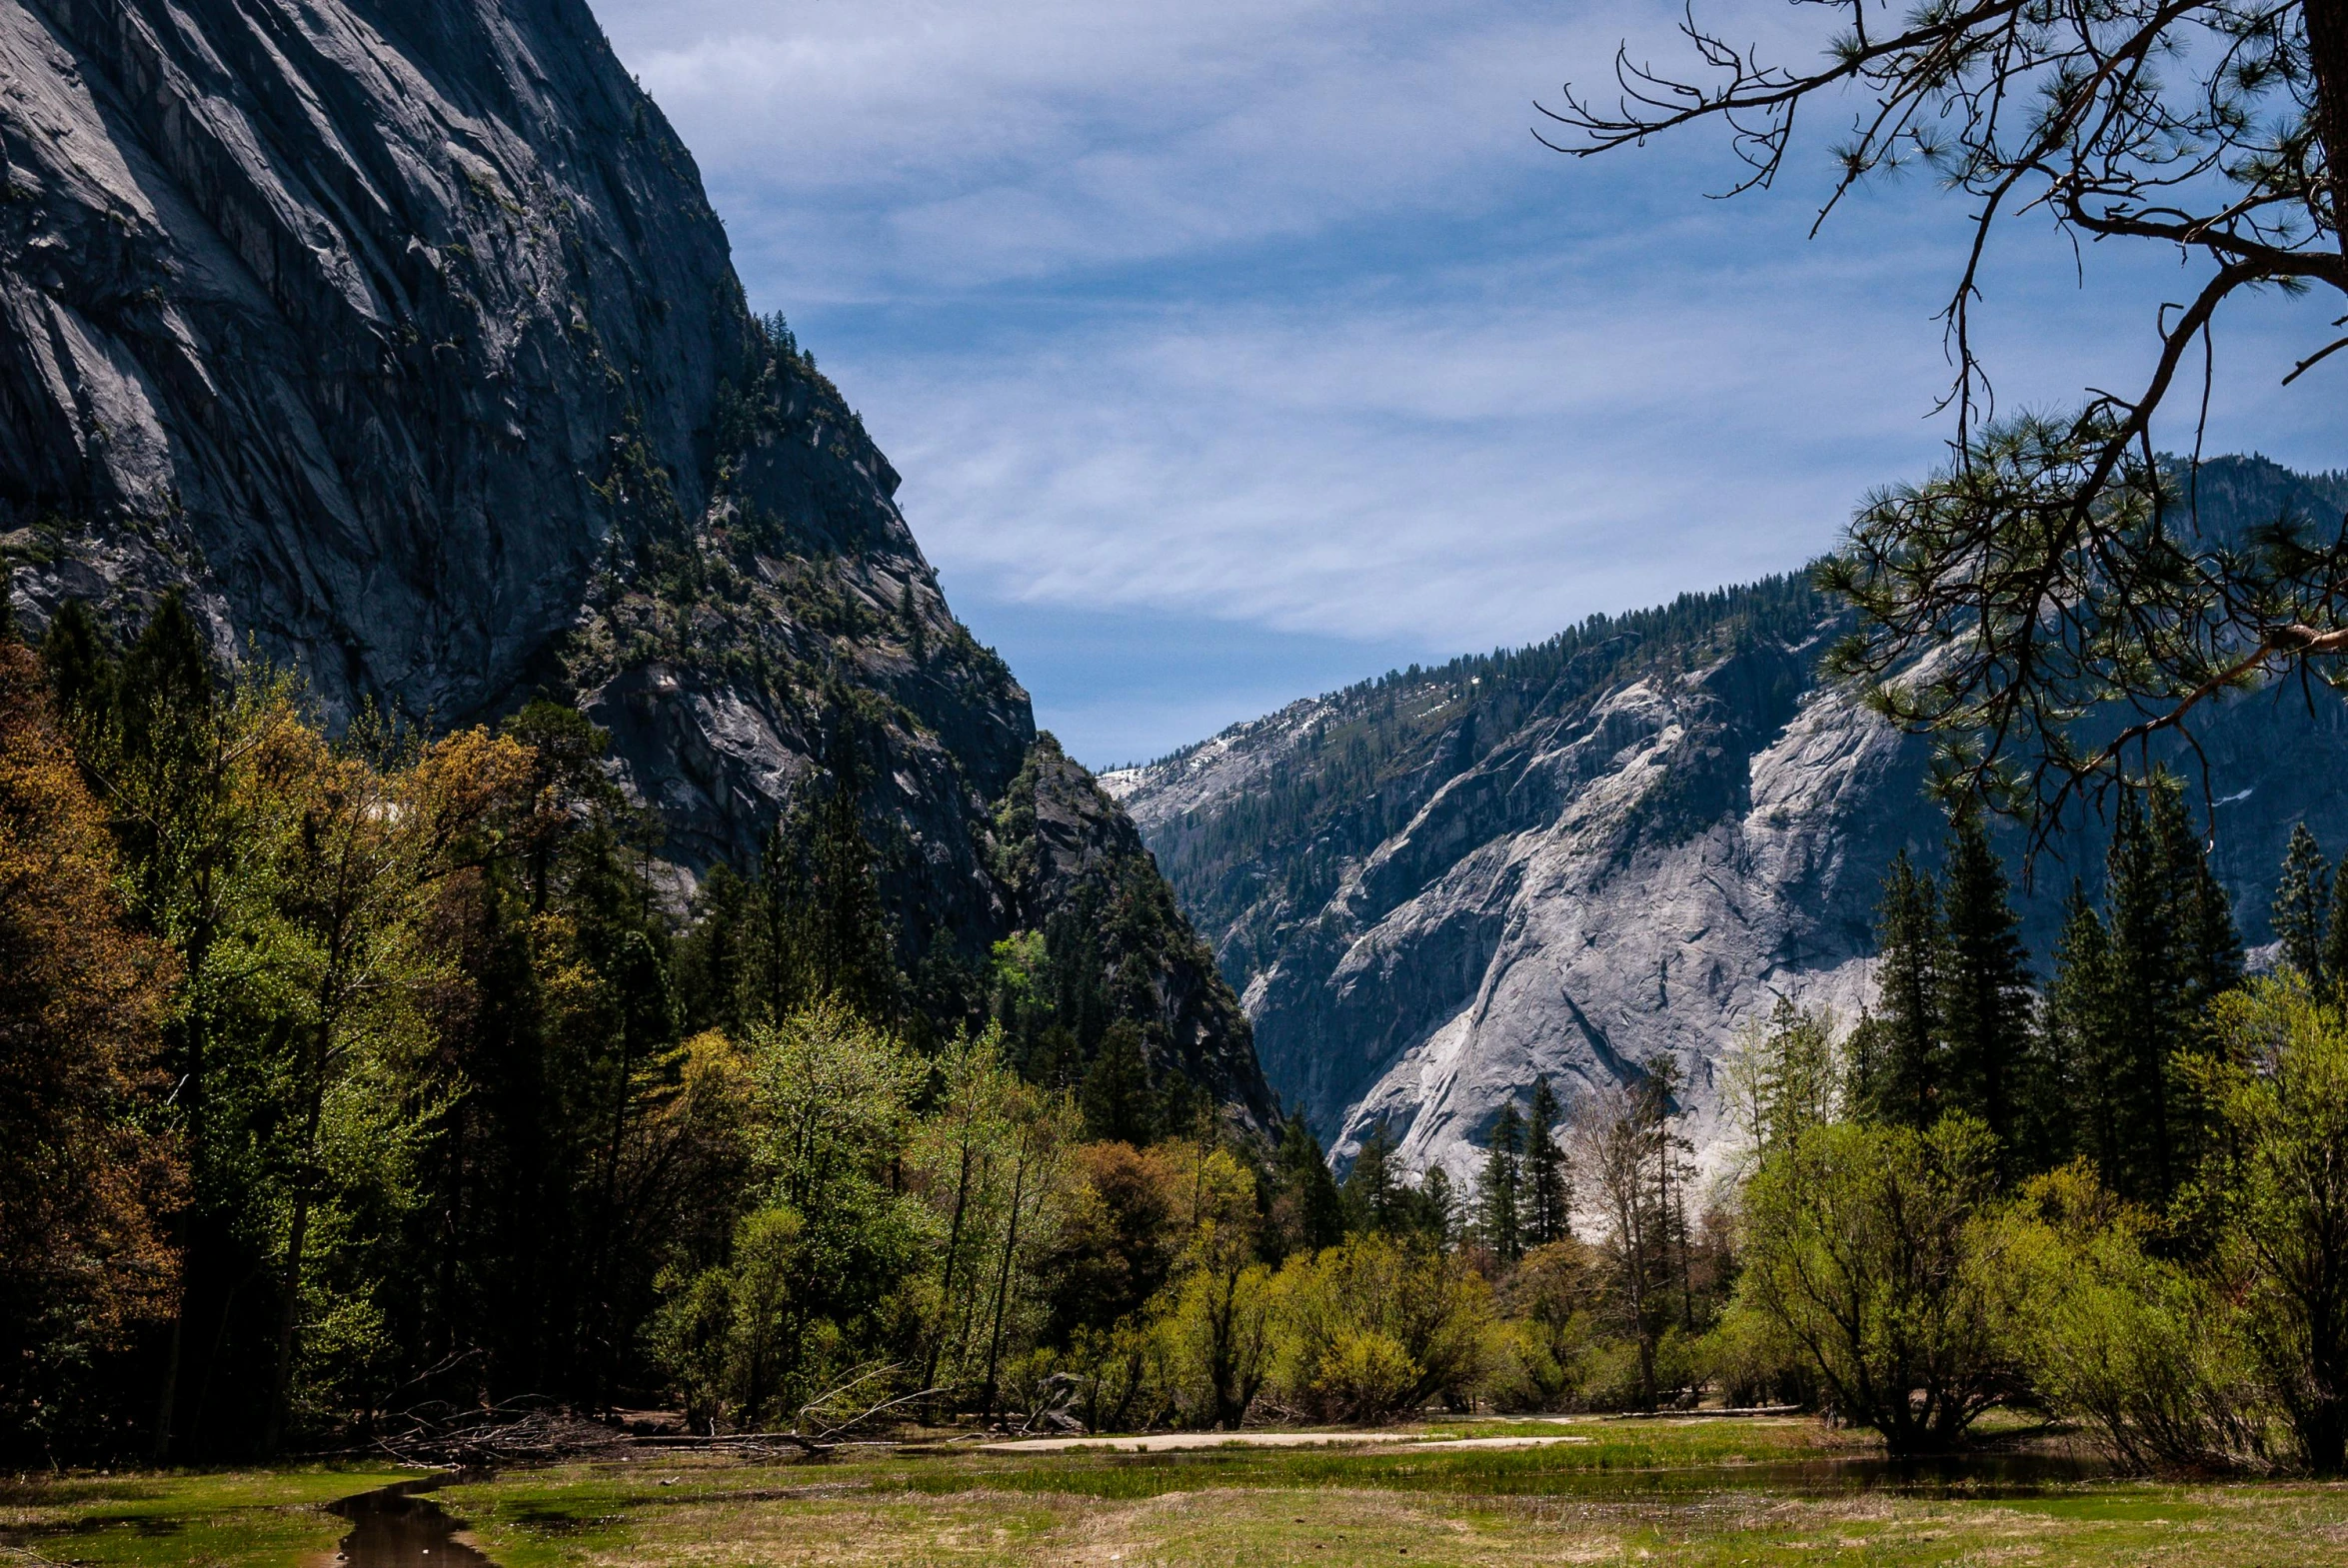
x=393 y=1529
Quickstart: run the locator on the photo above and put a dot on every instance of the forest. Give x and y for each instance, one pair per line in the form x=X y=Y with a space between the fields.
x=352 y=1080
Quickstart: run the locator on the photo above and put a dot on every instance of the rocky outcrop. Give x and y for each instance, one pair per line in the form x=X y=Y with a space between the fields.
x=404 y=340
x=1432 y=889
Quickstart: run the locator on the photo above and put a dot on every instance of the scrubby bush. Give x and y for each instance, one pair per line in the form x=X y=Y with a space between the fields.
x=1374 y=1327
x=2133 y=1345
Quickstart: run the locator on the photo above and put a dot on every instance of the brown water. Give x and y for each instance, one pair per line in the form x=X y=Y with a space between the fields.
x=395 y=1528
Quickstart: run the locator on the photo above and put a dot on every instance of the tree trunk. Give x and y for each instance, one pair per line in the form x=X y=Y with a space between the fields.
x=297 y=1237
x=1010 y=1246
x=2327 y=58
x=962 y=1192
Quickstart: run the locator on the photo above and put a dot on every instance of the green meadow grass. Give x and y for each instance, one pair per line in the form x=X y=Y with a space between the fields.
x=1665 y=1492
x=171 y=1519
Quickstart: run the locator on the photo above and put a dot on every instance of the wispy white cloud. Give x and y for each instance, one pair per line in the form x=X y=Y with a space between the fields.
x=1273 y=311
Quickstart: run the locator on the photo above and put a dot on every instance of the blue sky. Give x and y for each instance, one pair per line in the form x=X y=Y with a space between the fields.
x=1235 y=351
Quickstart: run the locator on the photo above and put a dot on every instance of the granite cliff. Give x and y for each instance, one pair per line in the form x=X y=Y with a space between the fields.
x=402 y=338
x=1432 y=887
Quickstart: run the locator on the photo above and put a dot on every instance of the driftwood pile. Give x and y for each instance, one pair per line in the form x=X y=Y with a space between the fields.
x=492 y=1436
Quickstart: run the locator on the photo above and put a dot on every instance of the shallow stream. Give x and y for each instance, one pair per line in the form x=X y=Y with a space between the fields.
x=396 y=1528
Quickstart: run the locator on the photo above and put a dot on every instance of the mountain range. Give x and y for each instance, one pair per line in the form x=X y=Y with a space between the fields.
x=1435 y=887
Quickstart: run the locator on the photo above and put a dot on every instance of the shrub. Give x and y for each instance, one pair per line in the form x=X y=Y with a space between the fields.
x=2131 y=1344
x=1373 y=1328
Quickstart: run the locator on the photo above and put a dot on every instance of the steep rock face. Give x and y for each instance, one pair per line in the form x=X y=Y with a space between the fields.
x=1065 y=845
x=1433 y=888
x=403 y=339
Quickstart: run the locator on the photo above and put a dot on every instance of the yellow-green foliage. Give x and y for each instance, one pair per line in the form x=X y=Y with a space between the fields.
x=1869 y=1248
x=1374 y=1326
x=2276 y=1182
x=2133 y=1345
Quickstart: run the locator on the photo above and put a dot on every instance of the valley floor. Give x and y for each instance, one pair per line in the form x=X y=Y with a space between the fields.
x=1669 y=1492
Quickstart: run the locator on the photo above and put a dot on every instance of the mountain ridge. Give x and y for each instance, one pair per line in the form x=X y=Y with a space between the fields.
x=1432 y=887
x=406 y=343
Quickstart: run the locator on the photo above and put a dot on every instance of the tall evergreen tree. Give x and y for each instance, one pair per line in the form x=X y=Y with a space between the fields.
x=1903 y=1076
x=1117 y=1101
x=2301 y=907
x=1501 y=1193
x=2143 y=1003
x=2076 y=1117
x=78 y=663
x=1314 y=1213
x=1984 y=983
x=1670 y=1168
x=2169 y=949
x=1549 y=1179
x=2210 y=955
x=855 y=953
x=713 y=963
x=2336 y=928
x=1373 y=1192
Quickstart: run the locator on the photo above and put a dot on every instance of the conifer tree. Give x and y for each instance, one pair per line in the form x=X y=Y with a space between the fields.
x=1315 y=1214
x=2300 y=908
x=1501 y=1195
x=2203 y=911
x=1671 y=1170
x=75 y=657
x=1905 y=1070
x=2144 y=1000
x=2336 y=928
x=1984 y=982
x=1439 y=1209
x=712 y=962
x=2170 y=949
x=854 y=956
x=1116 y=1099
x=1371 y=1192
x=1549 y=1179
x=2210 y=959
x=2077 y=1027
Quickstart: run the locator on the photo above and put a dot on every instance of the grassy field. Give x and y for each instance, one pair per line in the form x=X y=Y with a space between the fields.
x=1669 y=1492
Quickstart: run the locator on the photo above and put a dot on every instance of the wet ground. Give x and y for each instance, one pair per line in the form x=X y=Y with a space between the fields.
x=398 y=1527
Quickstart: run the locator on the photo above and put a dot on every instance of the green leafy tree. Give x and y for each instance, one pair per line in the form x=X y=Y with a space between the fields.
x=1623 y=1148
x=2137 y=1347
x=91 y=1174
x=1377 y=1327
x=2278 y=1174
x=1866 y=1247
x=1782 y=1077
